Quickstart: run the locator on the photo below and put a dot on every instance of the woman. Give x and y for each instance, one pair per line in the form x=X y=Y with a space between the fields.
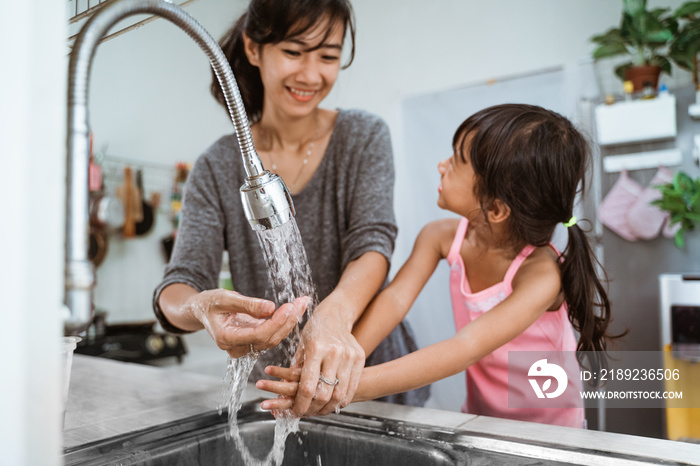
x=337 y=164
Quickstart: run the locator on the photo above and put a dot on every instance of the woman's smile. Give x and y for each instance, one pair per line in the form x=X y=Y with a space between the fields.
x=300 y=71
x=301 y=95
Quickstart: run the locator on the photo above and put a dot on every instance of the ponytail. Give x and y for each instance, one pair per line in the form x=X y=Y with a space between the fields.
x=247 y=76
x=586 y=298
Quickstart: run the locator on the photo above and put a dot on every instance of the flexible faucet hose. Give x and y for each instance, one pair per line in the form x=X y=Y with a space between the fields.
x=80 y=274
x=100 y=23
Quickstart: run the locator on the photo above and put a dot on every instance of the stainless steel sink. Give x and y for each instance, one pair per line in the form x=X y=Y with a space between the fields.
x=335 y=440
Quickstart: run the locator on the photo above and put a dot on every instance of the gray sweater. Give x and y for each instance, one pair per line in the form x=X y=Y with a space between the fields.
x=345 y=210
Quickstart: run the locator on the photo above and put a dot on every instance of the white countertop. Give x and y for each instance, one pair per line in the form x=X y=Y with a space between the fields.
x=108 y=398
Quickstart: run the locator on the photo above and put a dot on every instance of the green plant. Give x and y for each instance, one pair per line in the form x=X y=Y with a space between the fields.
x=681 y=199
x=686 y=42
x=643 y=34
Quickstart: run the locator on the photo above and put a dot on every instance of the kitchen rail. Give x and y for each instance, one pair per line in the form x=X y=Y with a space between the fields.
x=80 y=10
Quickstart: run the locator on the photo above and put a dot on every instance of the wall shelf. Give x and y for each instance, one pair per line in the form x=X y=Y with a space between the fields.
x=637 y=120
x=642 y=160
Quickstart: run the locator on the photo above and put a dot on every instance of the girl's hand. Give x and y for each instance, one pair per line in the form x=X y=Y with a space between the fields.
x=286 y=388
x=330 y=350
x=239 y=324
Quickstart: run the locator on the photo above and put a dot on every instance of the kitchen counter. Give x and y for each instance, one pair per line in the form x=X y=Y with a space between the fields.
x=109 y=398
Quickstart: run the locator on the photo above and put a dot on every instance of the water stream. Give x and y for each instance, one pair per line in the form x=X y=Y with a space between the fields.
x=290 y=275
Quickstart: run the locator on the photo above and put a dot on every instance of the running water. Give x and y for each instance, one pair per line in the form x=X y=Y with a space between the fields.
x=290 y=275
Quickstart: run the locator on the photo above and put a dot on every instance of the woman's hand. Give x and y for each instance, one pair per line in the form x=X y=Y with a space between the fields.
x=239 y=324
x=329 y=353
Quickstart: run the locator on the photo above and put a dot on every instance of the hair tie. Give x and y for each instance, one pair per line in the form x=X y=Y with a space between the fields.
x=571 y=222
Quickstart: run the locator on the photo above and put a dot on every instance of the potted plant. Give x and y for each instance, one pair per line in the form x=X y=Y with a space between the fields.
x=644 y=35
x=686 y=42
x=681 y=199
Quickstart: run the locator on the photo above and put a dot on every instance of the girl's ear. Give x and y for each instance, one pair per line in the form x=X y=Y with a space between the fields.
x=498 y=212
x=252 y=50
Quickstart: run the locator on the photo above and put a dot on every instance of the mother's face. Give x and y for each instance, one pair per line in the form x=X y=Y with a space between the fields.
x=299 y=72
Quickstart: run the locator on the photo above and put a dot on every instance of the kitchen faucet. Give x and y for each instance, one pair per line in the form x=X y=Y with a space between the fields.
x=266 y=199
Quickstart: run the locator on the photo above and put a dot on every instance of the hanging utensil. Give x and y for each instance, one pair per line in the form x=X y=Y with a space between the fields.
x=106 y=212
x=132 y=204
x=98 y=247
x=146 y=224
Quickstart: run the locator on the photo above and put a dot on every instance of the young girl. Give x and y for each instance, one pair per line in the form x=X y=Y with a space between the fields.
x=512 y=178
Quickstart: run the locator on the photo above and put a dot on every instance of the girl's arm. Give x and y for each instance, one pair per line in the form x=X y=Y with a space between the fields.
x=536 y=289
x=359 y=282
x=391 y=305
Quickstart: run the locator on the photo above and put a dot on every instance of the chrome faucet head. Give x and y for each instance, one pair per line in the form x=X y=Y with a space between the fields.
x=266 y=201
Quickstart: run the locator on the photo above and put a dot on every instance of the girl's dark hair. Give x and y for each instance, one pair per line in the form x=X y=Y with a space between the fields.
x=535 y=161
x=271 y=22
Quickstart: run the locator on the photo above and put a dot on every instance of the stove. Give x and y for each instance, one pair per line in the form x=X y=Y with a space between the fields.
x=135 y=342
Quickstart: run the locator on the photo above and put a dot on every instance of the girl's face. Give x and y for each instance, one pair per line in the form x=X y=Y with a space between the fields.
x=298 y=73
x=456 y=189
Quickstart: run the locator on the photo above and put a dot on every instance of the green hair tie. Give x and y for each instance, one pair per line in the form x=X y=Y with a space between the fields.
x=571 y=222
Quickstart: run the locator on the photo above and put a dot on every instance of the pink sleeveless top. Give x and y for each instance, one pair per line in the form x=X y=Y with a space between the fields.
x=487 y=380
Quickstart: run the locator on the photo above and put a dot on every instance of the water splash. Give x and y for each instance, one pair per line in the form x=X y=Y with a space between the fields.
x=234 y=384
x=290 y=275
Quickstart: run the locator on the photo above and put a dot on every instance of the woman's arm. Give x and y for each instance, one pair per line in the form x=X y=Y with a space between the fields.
x=329 y=347
x=364 y=181
x=235 y=322
x=536 y=289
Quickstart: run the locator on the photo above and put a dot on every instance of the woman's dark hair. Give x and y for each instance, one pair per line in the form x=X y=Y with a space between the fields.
x=535 y=161
x=271 y=22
